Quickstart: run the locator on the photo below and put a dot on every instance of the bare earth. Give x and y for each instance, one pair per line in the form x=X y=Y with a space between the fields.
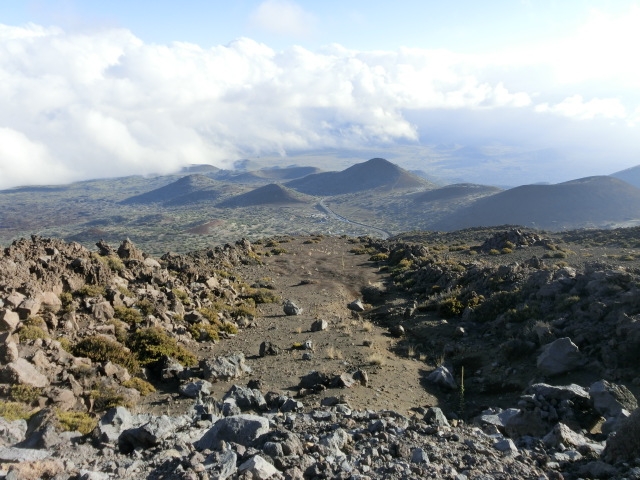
x=323 y=283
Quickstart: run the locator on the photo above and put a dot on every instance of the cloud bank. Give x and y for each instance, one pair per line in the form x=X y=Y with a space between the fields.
x=80 y=105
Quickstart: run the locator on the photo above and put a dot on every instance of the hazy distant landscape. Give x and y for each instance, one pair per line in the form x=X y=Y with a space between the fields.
x=205 y=205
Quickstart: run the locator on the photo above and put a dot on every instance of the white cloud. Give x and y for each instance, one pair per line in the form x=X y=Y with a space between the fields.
x=283 y=17
x=106 y=103
x=24 y=162
x=576 y=107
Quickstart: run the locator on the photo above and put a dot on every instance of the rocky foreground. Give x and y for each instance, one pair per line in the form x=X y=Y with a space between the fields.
x=86 y=335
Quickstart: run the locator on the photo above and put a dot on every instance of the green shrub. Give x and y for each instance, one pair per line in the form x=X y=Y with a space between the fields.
x=182 y=296
x=91 y=291
x=494 y=251
x=379 y=257
x=120 y=329
x=451 y=307
x=31 y=332
x=126 y=292
x=144 y=387
x=262 y=295
x=204 y=332
x=103 y=349
x=14 y=411
x=211 y=314
x=105 y=398
x=24 y=393
x=128 y=315
x=506 y=250
x=278 y=251
x=115 y=264
x=151 y=344
x=76 y=422
x=145 y=307
x=229 y=328
x=67 y=300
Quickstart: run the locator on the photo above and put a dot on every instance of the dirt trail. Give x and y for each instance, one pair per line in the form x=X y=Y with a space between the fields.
x=322 y=279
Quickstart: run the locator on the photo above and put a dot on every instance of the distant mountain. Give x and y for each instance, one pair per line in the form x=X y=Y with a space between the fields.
x=272 y=194
x=374 y=173
x=179 y=191
x=455 y=191
x=630 y=175
x=586 y=202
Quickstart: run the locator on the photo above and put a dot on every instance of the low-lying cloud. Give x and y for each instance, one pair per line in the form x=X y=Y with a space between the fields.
x=84 y=105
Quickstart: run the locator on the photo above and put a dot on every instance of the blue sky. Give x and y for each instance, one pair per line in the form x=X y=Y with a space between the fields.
x=526 y=91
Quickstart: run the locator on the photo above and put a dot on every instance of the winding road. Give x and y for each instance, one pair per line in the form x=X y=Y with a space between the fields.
x=383 y=233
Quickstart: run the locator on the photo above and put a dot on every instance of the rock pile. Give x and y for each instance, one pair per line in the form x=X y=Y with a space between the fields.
x=250 y=435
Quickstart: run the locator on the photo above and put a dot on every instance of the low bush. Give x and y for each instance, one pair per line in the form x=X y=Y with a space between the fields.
x=105 y=397
x=76 y=422
x=14 y=411
x=103 y=349
x=144 y=387
x=151 y=345
x=204 y=332
x=91 y=291
x=128 y=315
x=24 y=393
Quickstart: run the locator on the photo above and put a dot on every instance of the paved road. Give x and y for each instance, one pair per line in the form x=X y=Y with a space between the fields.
x=382 y=233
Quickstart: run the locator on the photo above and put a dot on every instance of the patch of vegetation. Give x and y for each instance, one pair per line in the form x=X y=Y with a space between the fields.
x=451 y=307
x=262 y=295
x=120 y=329
x=14 y=411
x=364 y=250
x=144 y=387
x=76 y=422
x=506 y=250
x=67 y=301
x=126 y=292
x=103 y=349
x=150 y=345
x=105 y=397
x=204 y=332
x=32 y=328
x=91 y=291
x=278 y=251
x=24 y=393
x=379 y=257
x=494 y=251
x=128 y=315
x=496 y=304
x=146 y=307
x=182 y=296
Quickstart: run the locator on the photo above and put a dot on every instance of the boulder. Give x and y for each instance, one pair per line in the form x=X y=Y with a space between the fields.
x=28 y=308
x=442 y=377
x=113 y=423
x=268 y=348
x=12 y=432
x=9 y=320
x=319 y=325
x=258 y=467
x=51 y=302
x=435 y=416
x=224 y=368
x=356 y=306
x=559 y=356
x=291 y=308
x=22 y=372
x=610 y=399
x=195 y=389
x=246 y=398
x=243 y=429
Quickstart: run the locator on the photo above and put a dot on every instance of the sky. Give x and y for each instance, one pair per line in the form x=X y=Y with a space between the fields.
x=501 y=92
